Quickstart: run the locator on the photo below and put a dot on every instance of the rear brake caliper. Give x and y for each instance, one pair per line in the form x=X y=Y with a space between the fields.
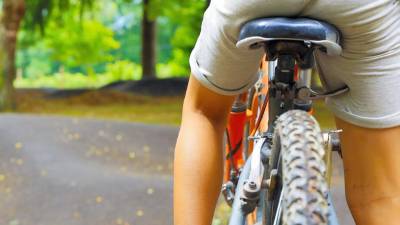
x=252 y=186
x=228 y=190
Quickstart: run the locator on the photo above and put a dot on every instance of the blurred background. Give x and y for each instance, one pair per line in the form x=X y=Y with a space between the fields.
x=66 y=49
x=91 y=94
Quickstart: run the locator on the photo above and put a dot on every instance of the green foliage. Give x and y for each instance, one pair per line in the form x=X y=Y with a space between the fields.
x=187 y=15
x=74 y=40
x=34 y=61
x=120 y=70
x=37 y=68
x=58 y=80
x=39 y=12
x=123 y=70
x=88 y=43
x=125 y=21
x=179 y=65
x=81 y=44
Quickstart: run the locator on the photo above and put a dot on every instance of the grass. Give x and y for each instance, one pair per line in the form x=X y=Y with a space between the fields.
x=105 y=105
x=323 y=115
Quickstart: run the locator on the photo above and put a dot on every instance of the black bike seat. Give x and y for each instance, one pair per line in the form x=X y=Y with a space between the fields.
x=308 y=30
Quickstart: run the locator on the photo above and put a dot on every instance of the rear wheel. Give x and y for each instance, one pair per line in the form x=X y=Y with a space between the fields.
x=300 y=195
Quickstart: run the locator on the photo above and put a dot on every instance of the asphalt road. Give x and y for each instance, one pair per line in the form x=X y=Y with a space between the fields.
x=65 y=171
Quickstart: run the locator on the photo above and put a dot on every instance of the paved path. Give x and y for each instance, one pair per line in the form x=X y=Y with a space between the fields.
x=64 y=171
x=61 y=171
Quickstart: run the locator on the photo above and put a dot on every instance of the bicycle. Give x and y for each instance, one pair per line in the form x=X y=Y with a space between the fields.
x=275 y=171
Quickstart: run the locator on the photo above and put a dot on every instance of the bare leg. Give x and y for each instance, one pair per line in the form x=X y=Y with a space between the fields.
x=198 y=166
x=372 y=173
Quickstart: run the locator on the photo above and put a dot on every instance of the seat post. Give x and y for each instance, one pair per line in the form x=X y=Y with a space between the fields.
x=304 y=78
x=284 y=71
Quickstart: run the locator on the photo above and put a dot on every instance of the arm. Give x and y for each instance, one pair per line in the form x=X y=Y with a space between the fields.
x=198 y=166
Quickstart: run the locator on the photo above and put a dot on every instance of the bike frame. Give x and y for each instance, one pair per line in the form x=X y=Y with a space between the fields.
x=240 y=117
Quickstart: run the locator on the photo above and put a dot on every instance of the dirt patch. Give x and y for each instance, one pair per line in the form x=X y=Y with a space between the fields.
x=151 y=87
x=89 y=97
x=123 y=90
x=103 y=97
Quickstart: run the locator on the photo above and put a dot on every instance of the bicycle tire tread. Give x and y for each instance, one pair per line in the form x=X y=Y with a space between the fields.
x=305 y=189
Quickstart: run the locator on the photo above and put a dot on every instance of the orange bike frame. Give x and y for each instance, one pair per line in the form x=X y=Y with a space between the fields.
x=239 y=116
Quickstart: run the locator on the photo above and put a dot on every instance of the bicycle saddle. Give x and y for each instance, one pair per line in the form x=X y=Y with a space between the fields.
x=256 y=32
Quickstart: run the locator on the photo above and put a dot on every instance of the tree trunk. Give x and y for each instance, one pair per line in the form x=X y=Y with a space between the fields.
x=148 y=43
x=208 y=2
x=13 y=12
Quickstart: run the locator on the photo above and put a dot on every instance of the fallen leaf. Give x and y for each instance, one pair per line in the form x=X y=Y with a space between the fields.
x=139 y=213
x=146 y=148
x=8 y=190
x=99 y=199
x=150 y=191
x=160 y=167
x=2 y=177
x=119 y=221
x=98 y=152
x=19 y=162
x=77 y=136
x=118 y=137
x=18 y=145
x=132 y=155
